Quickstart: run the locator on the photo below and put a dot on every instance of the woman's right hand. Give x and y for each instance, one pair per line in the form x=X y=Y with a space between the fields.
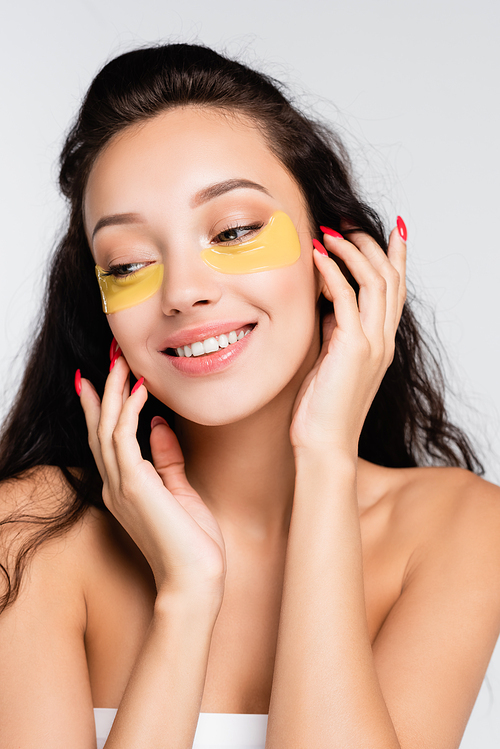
x=156 y=505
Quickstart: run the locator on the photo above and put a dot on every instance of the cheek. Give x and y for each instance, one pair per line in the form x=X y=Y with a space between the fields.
x=292 y=289
x=131 y=328
x=288 y=297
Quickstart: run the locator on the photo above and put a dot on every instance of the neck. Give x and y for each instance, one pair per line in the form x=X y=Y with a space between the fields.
x=244 y=471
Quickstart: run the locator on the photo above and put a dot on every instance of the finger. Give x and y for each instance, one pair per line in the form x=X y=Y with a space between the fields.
x=396 y=253
x=91 y=405
x=338 y=291
x=168 y=458
x=125 y=446
x=114 y=397
x=384 y=266
x=116 y=355
x=374 y=253
x=372 y=299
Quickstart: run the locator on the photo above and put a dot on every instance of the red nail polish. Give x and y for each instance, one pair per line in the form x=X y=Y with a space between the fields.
x=137 y=385
x=331 y=232
x=319 y=247
x=402 y=228
x=115 y=358
x=78 y=382
x=112 y=350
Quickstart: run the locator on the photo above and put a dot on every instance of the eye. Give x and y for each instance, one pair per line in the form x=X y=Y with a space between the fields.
x=127 y=269
x=235 y=234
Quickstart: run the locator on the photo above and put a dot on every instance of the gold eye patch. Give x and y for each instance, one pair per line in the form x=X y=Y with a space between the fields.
x=121 y=292
x=276 y=246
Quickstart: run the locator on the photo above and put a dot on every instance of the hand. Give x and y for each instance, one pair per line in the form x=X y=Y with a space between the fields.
x=156 y=505
x=358 y=341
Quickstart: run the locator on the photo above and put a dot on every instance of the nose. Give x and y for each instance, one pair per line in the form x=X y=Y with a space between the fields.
x=188 y=283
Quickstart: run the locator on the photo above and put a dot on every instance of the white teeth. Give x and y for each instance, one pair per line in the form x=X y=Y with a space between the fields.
x=210 y=345
x=214 y=343
x=197 y=348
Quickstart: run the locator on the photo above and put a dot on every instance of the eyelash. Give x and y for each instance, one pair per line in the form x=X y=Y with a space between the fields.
x=118 y=270
x=237 y=227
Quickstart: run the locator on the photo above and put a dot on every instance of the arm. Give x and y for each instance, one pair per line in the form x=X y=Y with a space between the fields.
x=45 y=695
x=325 y=688
x=326 y=692
x=161 y=704
x=416 y=689
x=421 y=680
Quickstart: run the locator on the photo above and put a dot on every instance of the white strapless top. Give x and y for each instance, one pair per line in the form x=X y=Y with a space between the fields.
x=214 y=730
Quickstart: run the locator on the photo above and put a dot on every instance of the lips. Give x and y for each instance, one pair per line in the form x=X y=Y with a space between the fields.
x=202 y=333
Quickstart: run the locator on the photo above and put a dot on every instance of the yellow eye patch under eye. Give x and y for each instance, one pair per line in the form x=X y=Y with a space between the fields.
x=276 y=246
x=119 y=293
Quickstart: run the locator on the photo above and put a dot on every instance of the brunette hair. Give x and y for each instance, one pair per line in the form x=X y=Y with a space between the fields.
x=407 y=424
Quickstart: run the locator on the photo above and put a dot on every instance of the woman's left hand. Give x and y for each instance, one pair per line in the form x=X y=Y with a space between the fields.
x=358 y=341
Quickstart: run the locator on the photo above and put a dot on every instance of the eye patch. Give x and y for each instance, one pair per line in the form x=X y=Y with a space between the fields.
x=276 y=246
x=122 y=292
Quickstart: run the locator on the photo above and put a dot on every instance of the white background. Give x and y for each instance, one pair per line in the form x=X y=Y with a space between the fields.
x=412 y=86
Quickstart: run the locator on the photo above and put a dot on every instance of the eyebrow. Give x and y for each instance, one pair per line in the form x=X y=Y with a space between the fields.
x=117 y=219
x=219 y=188
x=201 y=197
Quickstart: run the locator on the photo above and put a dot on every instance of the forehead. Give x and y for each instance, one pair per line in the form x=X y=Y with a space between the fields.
x=174 y=155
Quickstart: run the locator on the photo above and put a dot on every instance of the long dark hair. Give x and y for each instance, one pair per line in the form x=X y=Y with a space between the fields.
x=407 y=424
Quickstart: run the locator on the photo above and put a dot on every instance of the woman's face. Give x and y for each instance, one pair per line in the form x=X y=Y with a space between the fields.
x=168 y=189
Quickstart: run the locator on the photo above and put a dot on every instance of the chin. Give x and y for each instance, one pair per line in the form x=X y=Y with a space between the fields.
x=215 y=415
x=219 y=410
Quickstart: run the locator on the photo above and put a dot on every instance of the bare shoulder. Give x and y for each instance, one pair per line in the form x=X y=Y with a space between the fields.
x=35 y=516
x=46 y=687
x=84 y=561
x=442 y=527
x=449 y=517
x=435 y=500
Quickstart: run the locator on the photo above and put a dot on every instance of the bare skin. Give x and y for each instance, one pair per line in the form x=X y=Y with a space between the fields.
x=294 y=578
x=401 y=511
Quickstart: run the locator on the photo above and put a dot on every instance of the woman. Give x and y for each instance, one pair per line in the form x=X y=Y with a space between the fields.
x=256 y=527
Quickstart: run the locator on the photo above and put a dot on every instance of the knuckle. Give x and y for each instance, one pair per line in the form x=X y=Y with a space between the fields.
x=379 y=353
x=348 y=293
x=395 y=276
x=106 y=495
x=363 y=346
x=380 y=284
x=117 y=435
x=100 y=432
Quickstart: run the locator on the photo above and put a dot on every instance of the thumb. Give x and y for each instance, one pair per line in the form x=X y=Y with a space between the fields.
x=168 y=459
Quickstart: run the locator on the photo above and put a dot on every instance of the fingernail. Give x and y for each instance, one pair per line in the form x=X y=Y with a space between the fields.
x=137 y=385
x=402 y=228
x=319 y=247
x=112 y=350
x=115 y=358
x=78 y=382
x=331 y=232
x=157 y=420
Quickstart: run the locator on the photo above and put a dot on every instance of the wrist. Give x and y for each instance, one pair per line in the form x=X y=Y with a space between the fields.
x=326 y=457
x=200 y=605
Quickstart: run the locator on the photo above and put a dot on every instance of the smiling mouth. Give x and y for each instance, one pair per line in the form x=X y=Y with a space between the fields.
x=212 y=344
